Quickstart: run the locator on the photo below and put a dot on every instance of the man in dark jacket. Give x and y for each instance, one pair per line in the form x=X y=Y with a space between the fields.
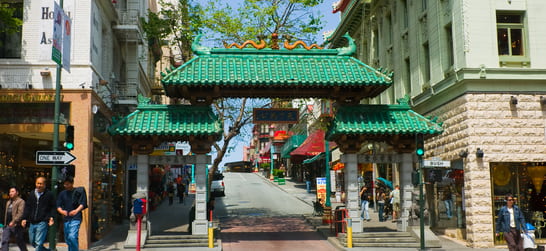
x=511 y=222
x=70 y=204
x=39 y=209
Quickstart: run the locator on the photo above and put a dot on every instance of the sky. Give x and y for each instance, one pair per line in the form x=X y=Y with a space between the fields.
x=330 y=22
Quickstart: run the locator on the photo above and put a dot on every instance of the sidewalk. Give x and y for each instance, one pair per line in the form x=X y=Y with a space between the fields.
x=298 y=190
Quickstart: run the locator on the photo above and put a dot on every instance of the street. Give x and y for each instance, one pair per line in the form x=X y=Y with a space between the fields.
x=256 y=215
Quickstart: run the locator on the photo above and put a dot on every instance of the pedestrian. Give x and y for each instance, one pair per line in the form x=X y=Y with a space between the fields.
x=511 y=222
x=39 y=210
x=70 y=204
x=15 y=207
x=395 y=201
x=448 y=202
x=381 y=196
x=365 y=200
x=181 y=190
x=170 y=192
x=307 y=177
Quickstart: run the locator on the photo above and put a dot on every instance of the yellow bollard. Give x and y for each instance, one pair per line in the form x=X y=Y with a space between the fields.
x=211 y=235
x=349 y=233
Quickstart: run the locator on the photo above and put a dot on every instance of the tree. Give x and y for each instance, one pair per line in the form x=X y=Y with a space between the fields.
x=254 y=18
x=220 y=22
x=10 y=22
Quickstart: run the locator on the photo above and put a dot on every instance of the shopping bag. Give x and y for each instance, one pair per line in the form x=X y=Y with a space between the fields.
x=528 y=240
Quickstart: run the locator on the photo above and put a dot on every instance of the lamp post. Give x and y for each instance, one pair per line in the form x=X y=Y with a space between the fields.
x=271 y=152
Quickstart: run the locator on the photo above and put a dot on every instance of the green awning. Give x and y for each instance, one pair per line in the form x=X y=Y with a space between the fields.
x=291 y=144
x=380 y=120
x=317 y=157
x=170 y=121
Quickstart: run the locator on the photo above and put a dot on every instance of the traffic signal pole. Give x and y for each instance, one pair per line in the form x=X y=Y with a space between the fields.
x=54 y=169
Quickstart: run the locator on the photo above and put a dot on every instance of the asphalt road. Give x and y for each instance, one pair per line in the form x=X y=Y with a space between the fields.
x=256 y=215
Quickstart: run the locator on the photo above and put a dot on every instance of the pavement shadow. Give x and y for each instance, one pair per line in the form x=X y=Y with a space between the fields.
x=171 y=219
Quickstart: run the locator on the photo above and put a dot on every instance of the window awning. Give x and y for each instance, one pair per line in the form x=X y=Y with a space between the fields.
x=317 y=157
x=313 y=145
x=291 y=144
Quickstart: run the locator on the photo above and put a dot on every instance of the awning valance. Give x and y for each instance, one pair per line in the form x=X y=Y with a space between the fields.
x=316 y=158
x=291 y=144
x=313 y=145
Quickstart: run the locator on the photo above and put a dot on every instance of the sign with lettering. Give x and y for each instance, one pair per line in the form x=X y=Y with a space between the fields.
x=54 y=158
x=436 y=163
x=275 y=115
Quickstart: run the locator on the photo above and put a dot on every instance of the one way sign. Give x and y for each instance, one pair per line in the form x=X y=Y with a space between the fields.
x=54 y=158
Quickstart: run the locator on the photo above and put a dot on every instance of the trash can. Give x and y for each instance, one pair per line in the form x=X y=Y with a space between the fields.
x=339 y=219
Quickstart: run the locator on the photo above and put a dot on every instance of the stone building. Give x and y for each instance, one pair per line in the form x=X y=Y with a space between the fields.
x=480 y=68
x=109 y=65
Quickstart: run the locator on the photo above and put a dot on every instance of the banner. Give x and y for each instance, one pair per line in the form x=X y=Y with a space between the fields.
x=321 y=189
x=62 y=26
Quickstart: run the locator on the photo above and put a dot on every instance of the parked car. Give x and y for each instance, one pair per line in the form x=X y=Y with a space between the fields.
x=217 y=186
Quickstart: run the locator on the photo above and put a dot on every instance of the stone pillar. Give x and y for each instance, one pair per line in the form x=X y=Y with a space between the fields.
x=142 y=162
x=199 y=225
x=406 y=189
x=143 y=167
x=351 y=188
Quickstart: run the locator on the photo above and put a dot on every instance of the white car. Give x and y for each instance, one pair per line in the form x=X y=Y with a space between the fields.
x=217 y=186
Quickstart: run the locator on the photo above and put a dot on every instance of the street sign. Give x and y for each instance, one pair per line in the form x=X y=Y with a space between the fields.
x=54 y=158
x=436 y=163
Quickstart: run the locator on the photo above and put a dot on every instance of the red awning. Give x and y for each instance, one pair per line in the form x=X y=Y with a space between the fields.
x=313 y=145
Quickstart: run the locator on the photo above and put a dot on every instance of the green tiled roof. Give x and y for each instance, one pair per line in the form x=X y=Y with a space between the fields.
x=169 y=120
x=271 y=67
x=291 y=144
x=380 y=120
x=259 y=69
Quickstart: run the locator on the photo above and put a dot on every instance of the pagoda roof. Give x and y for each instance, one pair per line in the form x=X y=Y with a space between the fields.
x=170 y=122
x=376 y=121
x=275 y=73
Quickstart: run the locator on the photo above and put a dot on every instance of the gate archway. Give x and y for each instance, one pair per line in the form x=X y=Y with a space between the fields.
x=288 y=72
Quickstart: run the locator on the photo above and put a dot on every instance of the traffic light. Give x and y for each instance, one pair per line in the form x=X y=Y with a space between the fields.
x=419 y=145
x=69 y=138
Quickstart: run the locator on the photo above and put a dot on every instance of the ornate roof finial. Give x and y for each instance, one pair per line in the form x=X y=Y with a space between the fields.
x=274 y=43
x=197 y=48
x=349 y=50
x=404 y=101
x=289 y=46
x=143 y=100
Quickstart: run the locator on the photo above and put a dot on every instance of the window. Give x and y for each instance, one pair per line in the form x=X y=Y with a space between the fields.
x=426 y=63
x=10 y=42
x=510 y=35
x=449 y=46
x=423 y=5
x=407 y=77
x=405 y=21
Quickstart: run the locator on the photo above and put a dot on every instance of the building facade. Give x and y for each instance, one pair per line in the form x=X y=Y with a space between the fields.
x=110 y=64
x=479 y=67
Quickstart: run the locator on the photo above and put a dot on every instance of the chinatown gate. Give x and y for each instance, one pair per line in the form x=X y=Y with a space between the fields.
x=267 y=70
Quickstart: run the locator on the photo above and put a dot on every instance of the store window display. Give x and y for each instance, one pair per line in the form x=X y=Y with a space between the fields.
x=526 y=180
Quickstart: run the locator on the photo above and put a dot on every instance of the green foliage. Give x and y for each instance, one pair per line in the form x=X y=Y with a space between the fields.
x=255 y=18
x=9 y=21
x=279 y=173
x=175 y=25
x=265 y=165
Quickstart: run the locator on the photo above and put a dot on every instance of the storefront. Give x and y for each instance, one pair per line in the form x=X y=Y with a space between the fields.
x=527 y=182
x=26 y=126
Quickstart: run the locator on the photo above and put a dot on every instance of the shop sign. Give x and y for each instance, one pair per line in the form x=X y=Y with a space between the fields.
x=27 y=97
x=275 y=115
x=321 y=188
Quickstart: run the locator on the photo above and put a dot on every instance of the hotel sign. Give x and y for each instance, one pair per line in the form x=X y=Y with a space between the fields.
x=275 y=115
